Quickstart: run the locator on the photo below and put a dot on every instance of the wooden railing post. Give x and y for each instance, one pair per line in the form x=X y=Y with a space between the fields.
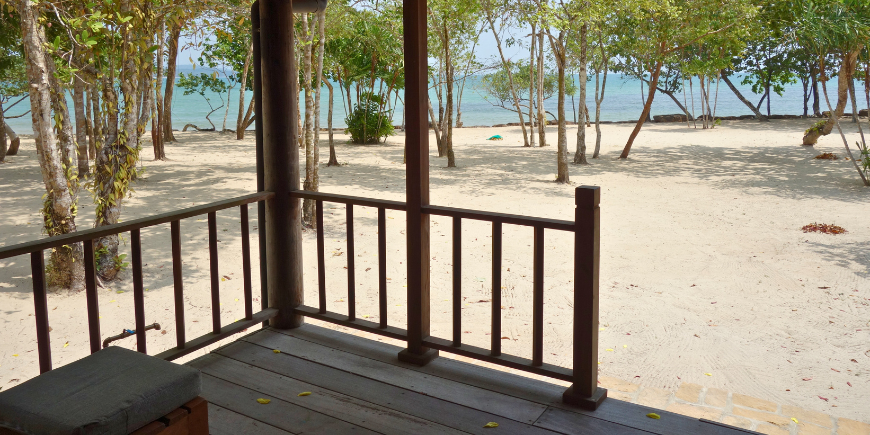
x=585 y=391
x=281 y=161
x=417 y=176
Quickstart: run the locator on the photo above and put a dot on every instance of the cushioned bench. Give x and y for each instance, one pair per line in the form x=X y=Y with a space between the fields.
x=114 y=391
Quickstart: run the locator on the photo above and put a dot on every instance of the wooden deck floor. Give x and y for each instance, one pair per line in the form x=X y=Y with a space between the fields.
x=358 y=386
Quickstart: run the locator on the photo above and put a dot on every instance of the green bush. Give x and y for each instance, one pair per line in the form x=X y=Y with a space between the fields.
x=367 y=124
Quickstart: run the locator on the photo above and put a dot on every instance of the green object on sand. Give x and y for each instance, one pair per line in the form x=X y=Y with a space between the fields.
x=496 y=137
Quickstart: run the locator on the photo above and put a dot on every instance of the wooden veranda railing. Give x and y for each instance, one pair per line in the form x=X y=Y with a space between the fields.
x=586 y=231
x=37 y=248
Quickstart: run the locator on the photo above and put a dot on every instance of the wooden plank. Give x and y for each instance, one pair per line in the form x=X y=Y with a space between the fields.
x=177 y=283
x=92 y=297
x=399 y=399
x=108 y=230
x=347 y=199
x=351 y=266
x=222 y=421
x=332 y=403
x=511 y=219
x=207 y=339
x=278 y=413
x=462 y=394
x=533 y=390
x=138 y=290
x=214 y=273
x=566 y=421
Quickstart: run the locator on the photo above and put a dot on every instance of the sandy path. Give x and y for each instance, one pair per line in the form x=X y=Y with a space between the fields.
x=704 y=268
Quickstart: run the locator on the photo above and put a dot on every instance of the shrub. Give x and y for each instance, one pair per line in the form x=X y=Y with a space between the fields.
x=368 y=124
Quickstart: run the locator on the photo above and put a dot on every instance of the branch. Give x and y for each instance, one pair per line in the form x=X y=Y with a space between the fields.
x=713 y=32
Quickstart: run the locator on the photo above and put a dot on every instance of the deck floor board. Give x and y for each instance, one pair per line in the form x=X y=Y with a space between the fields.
x=359 y=386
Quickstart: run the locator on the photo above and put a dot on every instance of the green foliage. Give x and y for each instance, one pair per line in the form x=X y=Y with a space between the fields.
x=13 y=79
x=495 y=87
x=200 y=84
x=368 y=124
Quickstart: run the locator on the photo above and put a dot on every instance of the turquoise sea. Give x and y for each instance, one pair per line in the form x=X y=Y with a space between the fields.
x=622 y=102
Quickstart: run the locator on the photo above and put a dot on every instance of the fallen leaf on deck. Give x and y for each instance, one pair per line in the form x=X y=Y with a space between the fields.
x=491 y=424
x=653 y=416
x=263 y=401
x=304 y=393
x=276 y=351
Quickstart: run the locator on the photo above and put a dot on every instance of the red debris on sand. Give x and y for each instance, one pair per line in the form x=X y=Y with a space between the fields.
x=823 y=228
x=827 y=156
x=820 y=397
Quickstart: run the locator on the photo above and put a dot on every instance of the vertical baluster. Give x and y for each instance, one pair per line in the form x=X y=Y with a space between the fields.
x=457 y=281
x=538 y=299
x=91 y=295
x=585 y=391
x=351 y=281
x=382 y=266
x=496 y=288
x=40 y=305
x=178 y=283
x=215 y=274
x=138 y=290
x=246 y=262
x=321 y=260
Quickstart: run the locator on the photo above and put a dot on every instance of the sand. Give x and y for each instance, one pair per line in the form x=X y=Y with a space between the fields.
x=706 y=276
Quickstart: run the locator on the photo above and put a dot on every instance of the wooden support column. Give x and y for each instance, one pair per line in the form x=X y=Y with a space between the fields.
x=417 y=180
x=258 y=135
x=281 y=161
x=584 y=391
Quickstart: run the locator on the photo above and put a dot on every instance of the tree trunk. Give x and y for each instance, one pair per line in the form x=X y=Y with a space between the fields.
x=81 y=125
x=542 y=117
x=506 y=64
x=333 y=160
x=157 y=119
x=559 y=52
x=240 y=122
x=599 y=98
x=116 y=162
x=66 y=267
x=580 y=153
x=14 y=140
x=435 y=126
x=89 y=118
x=646 y=108
x=174 y=35
x=4 y=144
x=97 y=121
x=817 y=111
x=851 y=83
x=448 y=63
x=532 y=89
x=743 y=99
x=308 y=218
x=813 y=134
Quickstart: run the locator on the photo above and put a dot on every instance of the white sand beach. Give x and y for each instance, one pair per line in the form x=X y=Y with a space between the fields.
x=706 y=276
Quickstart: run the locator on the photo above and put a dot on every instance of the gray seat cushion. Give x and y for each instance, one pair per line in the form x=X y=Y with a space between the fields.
x=114 y=391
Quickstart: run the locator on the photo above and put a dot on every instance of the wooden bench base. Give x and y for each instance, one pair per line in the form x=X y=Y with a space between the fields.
x=190 y=419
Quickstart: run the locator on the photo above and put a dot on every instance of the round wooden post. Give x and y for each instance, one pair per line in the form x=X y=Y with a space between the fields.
x=281 y=161
x=584 y=391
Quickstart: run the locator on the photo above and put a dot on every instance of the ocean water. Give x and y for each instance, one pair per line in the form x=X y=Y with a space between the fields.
x=622 y=101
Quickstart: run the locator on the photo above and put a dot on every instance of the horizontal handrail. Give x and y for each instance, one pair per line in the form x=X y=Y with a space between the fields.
x=352 y=200
x=511 y=219
x=135 y=224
